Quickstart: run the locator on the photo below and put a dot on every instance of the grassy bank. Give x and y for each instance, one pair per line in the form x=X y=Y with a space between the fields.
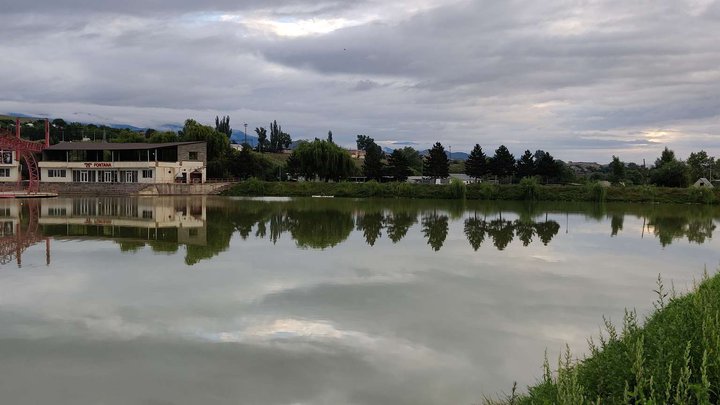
x=526 y=190
x=674 y=358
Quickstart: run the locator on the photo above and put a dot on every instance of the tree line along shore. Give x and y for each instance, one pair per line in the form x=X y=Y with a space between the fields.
x=272 y=155
x=527 y=189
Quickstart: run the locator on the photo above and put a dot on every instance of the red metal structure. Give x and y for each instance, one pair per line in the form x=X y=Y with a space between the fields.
x=25 y=151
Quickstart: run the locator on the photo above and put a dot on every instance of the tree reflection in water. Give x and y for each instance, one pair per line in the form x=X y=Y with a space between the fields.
x=205 y=227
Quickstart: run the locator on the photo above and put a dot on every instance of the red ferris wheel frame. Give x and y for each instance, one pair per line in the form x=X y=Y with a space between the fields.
x=26 y=150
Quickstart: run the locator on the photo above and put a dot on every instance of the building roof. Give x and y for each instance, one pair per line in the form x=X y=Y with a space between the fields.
x=115 y=146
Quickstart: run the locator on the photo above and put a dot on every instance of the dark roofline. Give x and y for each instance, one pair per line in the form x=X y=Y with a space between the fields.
x=115 y=145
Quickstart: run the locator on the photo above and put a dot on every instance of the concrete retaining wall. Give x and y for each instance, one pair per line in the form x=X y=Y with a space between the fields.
x=105 y=189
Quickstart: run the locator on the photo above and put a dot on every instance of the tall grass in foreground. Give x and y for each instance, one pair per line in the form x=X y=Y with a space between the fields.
x=674 y=358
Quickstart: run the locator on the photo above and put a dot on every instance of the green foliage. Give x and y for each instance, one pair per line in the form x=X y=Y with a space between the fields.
x=363 y=141
x=617 y=170
x=673 y=358
x=163 y=137
x=671 y=174
x=415 y=161
x=373 y=189
x=218 y=145
x=278 y=139
x=436 y=163
x=702 y=195
x=596 y=192
x=398 y=165
x=667 y=156
x=477 y=163
x=526 y=165
x=530 y=187
x=324 y=160
x=222 y=125
x=372 y=167
x=246 y=164
x=546 y=166
x=700 y=165
x=502 y=164
x=458 y=190
x=262 y=142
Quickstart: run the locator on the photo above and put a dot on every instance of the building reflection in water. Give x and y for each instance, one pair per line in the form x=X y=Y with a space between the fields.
x=130 y=221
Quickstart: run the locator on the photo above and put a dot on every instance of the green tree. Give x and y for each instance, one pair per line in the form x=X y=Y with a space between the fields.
x=262 y=143
x=330 y=138
x=398 y=165
x=163 y=137
x=617 y=170
x=217 y=144
x=278 y=139
x=526 y=165
x=437 y=163
x=415 y=161
x=372 y=167
x=546 y=166
x=667 y=156
x=363 y=141
x=502 y=164
x=222 y=125
x=671 y=174
x=476 y=164
x=324 y=160
x=700 y=165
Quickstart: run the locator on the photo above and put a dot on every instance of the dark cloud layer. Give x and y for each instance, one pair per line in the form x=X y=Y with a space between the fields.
x=526 y=74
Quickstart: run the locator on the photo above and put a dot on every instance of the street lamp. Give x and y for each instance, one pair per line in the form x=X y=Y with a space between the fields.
x=245 y=124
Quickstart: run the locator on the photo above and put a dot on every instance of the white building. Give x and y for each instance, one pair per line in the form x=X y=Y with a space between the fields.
x=152 y=163
x=9 y=166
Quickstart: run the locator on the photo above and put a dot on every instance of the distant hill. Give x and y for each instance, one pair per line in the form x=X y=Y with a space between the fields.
x=239 y=137
x=455 y=155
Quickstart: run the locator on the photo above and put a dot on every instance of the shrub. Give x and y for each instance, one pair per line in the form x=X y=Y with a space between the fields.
x=530 y=188
x=702 y=195
x=457 y=189
x=596 y=192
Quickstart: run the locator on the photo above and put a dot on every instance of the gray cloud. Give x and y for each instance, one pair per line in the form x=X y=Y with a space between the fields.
x=465 y=72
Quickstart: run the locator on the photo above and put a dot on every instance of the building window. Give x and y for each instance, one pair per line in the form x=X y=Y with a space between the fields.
x=7 y=157
x=193 y=155
x=4 y=212
x=129 y=176
x=147 y=174
x=56 y=173
x=147 y=214
x=4 y=172
x=57 y=212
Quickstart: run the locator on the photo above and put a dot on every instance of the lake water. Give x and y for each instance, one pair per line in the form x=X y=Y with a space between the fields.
x=319 y=301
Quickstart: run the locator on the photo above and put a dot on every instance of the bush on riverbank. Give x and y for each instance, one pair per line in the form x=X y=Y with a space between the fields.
x=527 y=190
x=674 y=358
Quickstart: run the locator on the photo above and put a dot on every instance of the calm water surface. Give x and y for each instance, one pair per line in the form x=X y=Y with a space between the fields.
x=318 y=301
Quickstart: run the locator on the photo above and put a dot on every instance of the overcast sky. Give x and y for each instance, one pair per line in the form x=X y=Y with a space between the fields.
x=581 y=79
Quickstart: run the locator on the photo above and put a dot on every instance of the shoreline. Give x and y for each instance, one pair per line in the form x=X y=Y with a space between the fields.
x=504 y=192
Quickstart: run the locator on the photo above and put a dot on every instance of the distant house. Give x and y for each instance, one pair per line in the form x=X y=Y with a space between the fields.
x=357 y=153
x=584 y=168
x=703 y=183
x=463 y=177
